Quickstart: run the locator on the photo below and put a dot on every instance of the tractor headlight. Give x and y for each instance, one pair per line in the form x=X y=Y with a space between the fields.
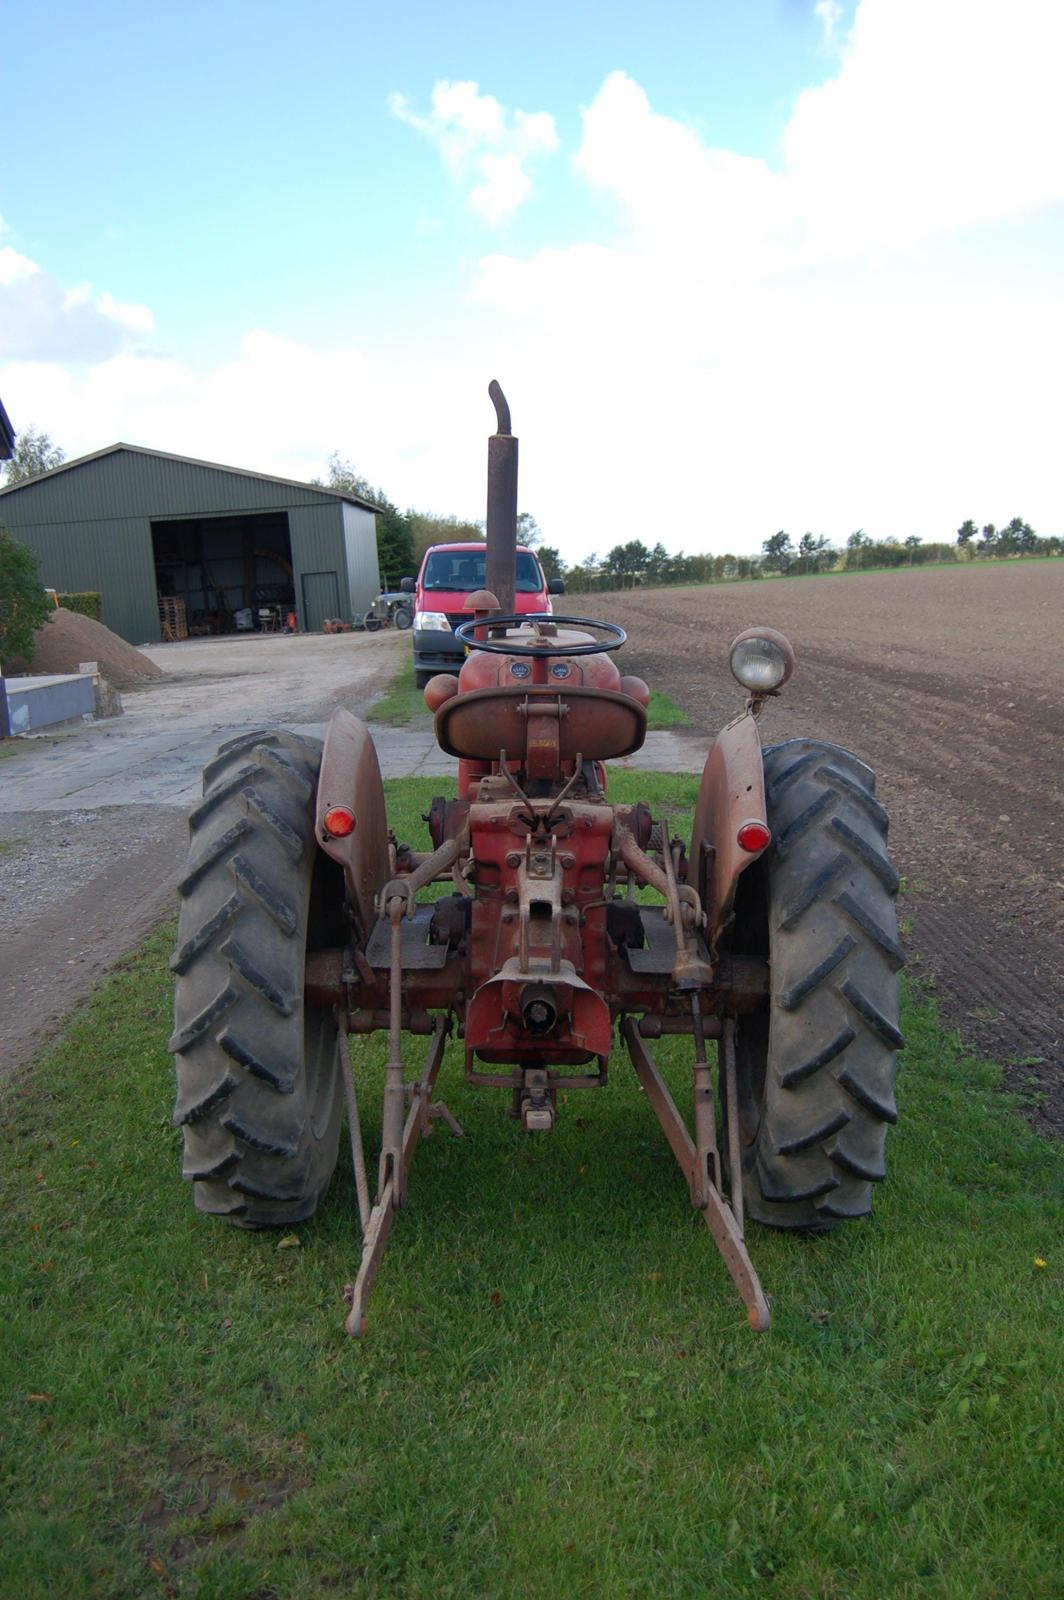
x=761 y=659
x=434 y=620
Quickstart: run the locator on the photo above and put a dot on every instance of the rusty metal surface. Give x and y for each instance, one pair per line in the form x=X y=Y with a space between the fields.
x=659 y=952
x=374 y=1240
x=732 y=791
x=707 y=1156
x=351 y=776
x=539 y=634
x=731 y=1100
x=539 y=950
x=323 y=978
x=494 y=1016
x=682 y=909
x=416 y=952
x=394 y=1094
x=377 y=1230
x=354 y=1129
x=428 y=870
x=717 y=1216
x=599 y=724
x=501 y=523
x=654 y=1027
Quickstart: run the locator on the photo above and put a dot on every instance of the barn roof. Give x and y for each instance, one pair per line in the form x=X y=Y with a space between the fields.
x=190 y=461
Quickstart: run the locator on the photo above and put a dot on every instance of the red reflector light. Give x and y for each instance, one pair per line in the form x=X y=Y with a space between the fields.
x=338 y=822
x=753 y=836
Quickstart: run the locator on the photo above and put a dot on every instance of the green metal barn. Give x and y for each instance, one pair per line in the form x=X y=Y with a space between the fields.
x=143 y=528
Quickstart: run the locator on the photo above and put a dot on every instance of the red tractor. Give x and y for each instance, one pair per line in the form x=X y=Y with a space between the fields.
x=771 y=932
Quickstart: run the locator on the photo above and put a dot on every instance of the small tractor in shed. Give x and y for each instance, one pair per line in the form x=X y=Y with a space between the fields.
x=767 y=939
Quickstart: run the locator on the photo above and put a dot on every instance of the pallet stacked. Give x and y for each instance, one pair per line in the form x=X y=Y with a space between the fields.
x=172 y=619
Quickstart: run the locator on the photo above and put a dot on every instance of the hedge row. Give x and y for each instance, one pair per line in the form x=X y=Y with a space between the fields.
x=87 y=604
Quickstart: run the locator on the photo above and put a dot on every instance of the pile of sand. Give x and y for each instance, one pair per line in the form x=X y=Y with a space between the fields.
x=67 y=639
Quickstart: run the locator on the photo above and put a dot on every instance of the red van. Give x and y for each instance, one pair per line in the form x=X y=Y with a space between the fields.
x=449 y=574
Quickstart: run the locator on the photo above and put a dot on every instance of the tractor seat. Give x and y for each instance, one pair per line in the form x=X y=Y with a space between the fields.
x=544 y=725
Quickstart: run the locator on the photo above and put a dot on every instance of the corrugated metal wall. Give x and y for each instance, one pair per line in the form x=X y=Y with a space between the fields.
x=363 y=572
x=114 y=558
x=90 y=528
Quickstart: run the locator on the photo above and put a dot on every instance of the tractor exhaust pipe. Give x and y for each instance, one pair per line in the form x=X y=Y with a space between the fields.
x=501 y=559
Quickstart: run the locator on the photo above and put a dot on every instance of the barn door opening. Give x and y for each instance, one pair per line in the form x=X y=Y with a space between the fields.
x=223 y=574
x=321 y=599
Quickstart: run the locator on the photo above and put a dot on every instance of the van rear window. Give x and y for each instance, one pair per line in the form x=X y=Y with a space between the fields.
x=463 y=570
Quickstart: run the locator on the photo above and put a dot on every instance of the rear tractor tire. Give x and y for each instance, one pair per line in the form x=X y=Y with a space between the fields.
x=259 y=1093
x=816 y=1064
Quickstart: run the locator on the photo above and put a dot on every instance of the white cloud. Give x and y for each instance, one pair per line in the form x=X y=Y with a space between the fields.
x=40 y=320
x=684 y=200
x=820 y=344
x=867 y=334
x=15 y=268
x=136 y=319
x=943 y=113
x=829 y=14
x=419 y=433
x=485 y=152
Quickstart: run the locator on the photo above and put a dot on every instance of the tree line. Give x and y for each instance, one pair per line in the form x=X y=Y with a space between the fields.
x=634 y=563
x=404 y=536
x=780 y=554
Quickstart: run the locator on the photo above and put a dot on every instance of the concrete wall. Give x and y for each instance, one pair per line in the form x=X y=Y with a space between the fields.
x=41 y=702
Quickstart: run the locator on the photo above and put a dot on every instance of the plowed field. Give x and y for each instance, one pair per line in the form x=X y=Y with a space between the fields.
x=948 y=683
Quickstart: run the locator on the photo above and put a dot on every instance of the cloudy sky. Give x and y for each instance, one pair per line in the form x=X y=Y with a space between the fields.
x=739 y=264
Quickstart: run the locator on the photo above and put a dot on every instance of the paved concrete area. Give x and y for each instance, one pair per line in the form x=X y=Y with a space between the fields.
x=171 y=727
x=154 y=756
x=107 y=766
x=92 y=818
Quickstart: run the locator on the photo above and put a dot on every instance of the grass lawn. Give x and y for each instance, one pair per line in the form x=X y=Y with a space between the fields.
x=663 y=712
x=559 y=1394
x=404 y=703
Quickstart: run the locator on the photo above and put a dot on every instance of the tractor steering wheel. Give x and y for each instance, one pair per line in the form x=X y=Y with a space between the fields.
x=546 y=647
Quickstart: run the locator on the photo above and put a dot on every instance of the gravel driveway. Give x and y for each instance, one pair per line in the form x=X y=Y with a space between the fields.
x=92 y=818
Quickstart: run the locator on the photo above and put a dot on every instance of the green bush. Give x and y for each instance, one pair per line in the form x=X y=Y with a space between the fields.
x=24 y=606
x=88 y=604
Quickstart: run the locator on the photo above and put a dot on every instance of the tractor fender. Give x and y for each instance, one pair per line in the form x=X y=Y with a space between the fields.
x=731 y=793
x=351 y=776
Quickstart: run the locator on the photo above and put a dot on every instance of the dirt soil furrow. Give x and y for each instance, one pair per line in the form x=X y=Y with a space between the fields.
x=946 y=682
